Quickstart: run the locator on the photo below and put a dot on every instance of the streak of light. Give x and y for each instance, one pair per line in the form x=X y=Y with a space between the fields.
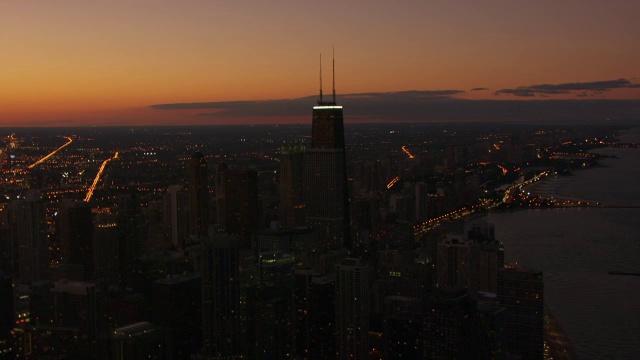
x=92 y=188
x=52 y=153
x=504 y=169
x=406 y=151
x=393 y=182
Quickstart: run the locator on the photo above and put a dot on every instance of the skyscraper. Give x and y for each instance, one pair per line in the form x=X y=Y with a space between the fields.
x=291 y=209
x=325 y=175
x=198 y=196
x=352 y=294
x=220 y=297
x=521 y=292
x=76 y=235
x=176 y=215
x=28 y=249
x=237 y=201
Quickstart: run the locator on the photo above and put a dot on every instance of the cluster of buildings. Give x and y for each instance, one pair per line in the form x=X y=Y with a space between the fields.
x=201 y=272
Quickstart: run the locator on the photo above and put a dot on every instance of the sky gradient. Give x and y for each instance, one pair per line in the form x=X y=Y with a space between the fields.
x=74 y=62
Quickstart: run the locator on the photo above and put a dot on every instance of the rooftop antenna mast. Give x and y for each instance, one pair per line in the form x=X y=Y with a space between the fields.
x=333 y=61
x=320 y=101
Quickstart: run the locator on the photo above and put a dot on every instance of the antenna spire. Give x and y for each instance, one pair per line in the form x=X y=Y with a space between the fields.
x=320 y=101
x=333 y=61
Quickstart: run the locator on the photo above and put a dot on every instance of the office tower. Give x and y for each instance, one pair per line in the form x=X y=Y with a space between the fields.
x=176 y=215
x=198 y=196
x=449 y=326
x=220 y=297
x=237 y=201
x=75 y=305
x=457 y=265
x=141 y=340
x=76 y=235
x=29 y=248
x=326 y=188
x=352 y=294
x=177 y=309
x=292 y=207
x=521 y=292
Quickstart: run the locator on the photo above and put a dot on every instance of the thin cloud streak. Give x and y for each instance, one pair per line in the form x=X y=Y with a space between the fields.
x=440 y=105
x=585 y=88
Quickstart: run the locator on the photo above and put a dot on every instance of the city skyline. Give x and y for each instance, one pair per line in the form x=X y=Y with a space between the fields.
x=167 y=63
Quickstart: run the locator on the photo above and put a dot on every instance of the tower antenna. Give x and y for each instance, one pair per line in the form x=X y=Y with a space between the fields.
x=333 y=61
x=320 y=101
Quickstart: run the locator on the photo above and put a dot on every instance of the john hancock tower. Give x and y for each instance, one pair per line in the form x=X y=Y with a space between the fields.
x=326 y=192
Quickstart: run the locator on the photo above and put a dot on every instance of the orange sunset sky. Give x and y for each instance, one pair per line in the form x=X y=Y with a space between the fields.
x=84 y=62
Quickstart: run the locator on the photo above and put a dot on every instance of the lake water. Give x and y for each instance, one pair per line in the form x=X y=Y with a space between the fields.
x=577 y=247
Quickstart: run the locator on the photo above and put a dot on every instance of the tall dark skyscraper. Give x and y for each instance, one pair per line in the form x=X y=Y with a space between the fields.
x=237 y=201
x=28 y=249
x=198 y=196
x=220 y=297
x=76 y=235
x=521 y=292
x=326 y=174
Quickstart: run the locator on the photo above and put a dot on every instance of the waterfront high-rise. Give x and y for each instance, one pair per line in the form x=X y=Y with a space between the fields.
x=198 y=196
x=325 y=177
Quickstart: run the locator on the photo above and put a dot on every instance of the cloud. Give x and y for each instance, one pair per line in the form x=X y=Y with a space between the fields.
x=479 y=89
x=300 y=106
x=595 y=87
x=410 y=106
